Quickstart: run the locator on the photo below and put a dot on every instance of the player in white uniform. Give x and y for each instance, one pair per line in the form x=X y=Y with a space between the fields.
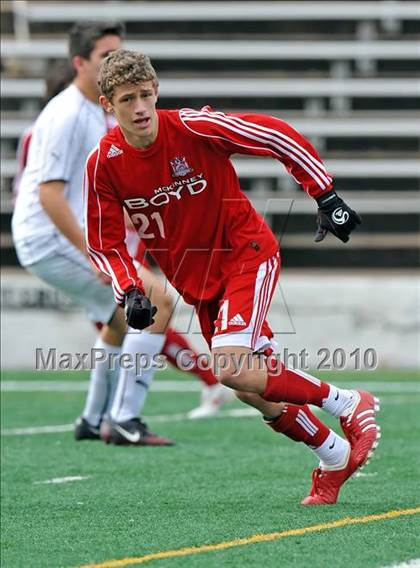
x=48 y=218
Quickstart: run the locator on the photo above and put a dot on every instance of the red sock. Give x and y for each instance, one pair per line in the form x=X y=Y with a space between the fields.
x=296 y=387
x=301 y=425
x=176 y=342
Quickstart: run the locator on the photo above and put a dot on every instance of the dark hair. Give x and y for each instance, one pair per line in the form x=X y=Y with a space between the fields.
x=58 y=78
x=83 y=36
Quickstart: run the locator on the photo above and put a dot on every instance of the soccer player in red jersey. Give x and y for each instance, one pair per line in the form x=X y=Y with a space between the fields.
x=170 y=170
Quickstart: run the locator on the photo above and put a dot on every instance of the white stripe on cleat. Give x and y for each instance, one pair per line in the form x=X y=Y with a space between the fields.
x=368 y=427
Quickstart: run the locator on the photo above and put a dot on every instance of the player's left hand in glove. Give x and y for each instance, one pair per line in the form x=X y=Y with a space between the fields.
x=138 y=309
x=336 y=217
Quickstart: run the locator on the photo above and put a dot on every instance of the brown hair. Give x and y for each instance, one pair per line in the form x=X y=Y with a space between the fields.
x=124 y=66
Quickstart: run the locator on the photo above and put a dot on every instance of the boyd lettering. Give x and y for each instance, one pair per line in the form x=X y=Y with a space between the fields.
x=160 y=199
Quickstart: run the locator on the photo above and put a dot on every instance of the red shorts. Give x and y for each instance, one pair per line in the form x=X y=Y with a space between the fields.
x=238 y=317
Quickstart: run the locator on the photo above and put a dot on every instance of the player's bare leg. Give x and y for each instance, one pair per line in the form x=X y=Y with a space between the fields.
x=338 y=459
x=214 y=394
x=155 y=291
x=114 y=332
x=269 y=410
x=182 y=355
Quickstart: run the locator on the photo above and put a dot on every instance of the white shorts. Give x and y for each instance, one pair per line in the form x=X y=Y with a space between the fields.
x=71 y=273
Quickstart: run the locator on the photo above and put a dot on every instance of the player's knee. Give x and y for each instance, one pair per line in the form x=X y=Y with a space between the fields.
x=168 y=303
x=246 y=397
x=163 y=302
x=117 y=326
x=230 y=378
x=241 y=380
x=232 y=370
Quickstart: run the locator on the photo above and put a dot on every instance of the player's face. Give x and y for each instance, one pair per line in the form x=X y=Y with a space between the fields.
x=134 y=107
x=103 y=47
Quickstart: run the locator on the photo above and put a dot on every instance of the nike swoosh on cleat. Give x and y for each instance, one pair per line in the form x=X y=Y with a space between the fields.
x=336 y=398
x=131 y=437
x=332 y=445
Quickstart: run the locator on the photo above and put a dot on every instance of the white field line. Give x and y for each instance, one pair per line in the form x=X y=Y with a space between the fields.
x=407 y=388
x=391 y=399
x=403 y=387
x=415 y=563
x=53 y=429
x=363 y=474
x=233 y=413
x=57 y=480
x=82 y=386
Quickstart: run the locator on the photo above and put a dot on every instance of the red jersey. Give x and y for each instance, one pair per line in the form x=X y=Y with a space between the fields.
x=183 y=196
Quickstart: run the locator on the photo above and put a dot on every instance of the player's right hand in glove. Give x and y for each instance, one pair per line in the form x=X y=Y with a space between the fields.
x=336 y=217
x=138 y=309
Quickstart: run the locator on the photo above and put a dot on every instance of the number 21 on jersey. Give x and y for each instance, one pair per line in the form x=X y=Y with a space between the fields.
x=146 y=231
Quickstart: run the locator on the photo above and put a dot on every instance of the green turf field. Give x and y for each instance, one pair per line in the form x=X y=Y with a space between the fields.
x=227 y=479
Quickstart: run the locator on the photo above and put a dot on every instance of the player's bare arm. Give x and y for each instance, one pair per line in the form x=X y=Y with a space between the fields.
x=52 y=198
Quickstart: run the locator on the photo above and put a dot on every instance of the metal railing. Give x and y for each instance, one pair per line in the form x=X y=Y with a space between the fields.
x=232 y=49
x=254 y=168
x=322 y=126
x=207 y=86
x=222 y=11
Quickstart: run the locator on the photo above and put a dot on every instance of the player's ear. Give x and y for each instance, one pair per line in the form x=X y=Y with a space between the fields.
x=105 y=104
x=77 y=63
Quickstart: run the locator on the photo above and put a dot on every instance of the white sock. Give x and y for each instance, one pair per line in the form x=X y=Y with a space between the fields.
x=113 y=375
x=100 y=385
x=132 y=388
x=339 y=402
x=334 y=452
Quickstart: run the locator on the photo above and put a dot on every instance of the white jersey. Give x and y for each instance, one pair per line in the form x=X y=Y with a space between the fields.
x=63 y=135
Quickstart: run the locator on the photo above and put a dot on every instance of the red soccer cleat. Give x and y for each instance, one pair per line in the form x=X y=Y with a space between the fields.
x=326 y=484
x=360 y=427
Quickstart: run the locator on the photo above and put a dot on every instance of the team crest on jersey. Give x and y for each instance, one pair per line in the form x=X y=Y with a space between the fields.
x=180 y=167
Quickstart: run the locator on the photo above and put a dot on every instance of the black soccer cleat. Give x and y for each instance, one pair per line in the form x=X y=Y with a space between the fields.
x=133 y=432
x=85 y=431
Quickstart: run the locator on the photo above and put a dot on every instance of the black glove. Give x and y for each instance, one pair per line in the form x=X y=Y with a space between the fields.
x=336 y=217
x=139 y=311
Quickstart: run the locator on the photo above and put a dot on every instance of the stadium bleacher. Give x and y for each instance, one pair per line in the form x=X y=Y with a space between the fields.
x=345 y=73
